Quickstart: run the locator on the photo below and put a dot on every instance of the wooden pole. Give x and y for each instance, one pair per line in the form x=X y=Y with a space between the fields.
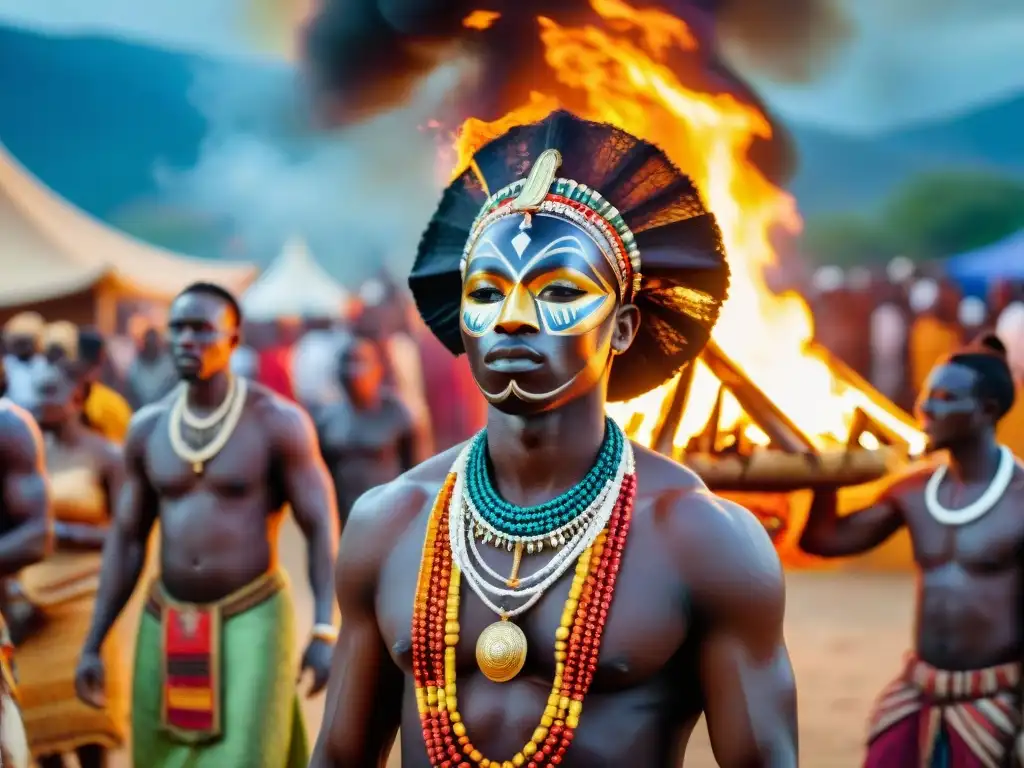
x=781 y=430
x=665 y=432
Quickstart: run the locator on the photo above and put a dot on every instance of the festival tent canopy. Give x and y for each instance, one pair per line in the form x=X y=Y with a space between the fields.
x=50 y=250
x=294 y=285
x=976 y=269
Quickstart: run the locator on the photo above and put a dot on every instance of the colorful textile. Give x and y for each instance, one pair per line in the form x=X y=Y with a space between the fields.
x=932 y=718
x=191 y=638
x=224 y=695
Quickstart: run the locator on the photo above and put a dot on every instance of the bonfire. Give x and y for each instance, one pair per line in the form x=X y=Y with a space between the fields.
x=765 y=412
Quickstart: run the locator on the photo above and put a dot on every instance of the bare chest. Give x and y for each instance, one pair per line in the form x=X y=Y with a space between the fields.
x=645 y=628
x=242 y=467
x=990 y=545
x=349 y=433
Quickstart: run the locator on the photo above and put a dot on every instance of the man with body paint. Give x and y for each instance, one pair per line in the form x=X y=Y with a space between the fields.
x=488 y=590
x=957 y=703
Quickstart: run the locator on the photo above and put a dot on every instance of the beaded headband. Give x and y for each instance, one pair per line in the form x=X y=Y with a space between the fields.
x=542 y=192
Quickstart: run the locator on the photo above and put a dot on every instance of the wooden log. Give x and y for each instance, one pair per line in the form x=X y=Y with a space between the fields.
x=767 y=470
x=664 y=435
x=781 y=430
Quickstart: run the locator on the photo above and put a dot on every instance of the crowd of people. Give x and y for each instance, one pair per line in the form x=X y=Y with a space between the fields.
x=893 y=325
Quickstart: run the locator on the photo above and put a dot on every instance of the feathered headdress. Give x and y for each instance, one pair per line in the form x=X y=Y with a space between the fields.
x=666 y=245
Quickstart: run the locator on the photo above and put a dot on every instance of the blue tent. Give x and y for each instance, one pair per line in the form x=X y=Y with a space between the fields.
x=976 y=270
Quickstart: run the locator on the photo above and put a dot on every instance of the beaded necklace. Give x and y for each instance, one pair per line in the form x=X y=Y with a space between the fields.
x=507 y=522
x=577 y=641
x=198 y=457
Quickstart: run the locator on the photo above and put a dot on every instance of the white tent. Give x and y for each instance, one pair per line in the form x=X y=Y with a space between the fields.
x=58 y=259
x=294 y=285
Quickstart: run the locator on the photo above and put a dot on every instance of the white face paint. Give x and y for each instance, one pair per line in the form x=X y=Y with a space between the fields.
x=548 y=287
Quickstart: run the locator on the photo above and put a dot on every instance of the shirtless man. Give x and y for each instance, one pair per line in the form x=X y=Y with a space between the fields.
x=25 y=539
x=957 y=703
x=501 y=672
x=215 y=462
x=367 y=439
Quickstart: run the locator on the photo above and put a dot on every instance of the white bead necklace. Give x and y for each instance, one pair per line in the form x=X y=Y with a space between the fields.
x=591 y=514
x=987 y=500
x=197 y=457
x=534 y=586
x=215 y=416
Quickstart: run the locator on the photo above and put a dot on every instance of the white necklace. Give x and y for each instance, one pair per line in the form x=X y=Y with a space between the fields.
x=987 y=500
x=531 y=588
x=197 y=457
x=215 y=416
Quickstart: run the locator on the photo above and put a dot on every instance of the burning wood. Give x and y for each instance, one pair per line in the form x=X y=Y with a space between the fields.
x=727 y=459
x=772 y=471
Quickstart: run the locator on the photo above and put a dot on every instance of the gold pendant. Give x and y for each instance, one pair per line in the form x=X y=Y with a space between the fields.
x=197 y=467
x=501 y=651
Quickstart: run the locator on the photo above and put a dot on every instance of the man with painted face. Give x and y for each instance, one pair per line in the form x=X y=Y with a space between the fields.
x=215 y=462
x=957 y=703
x=549 y=593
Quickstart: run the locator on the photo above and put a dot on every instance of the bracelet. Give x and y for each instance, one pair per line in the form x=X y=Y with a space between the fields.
x=328 y=633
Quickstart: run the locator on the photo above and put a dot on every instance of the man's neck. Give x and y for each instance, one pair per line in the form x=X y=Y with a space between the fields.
x=207 y=394
x=535 y=458
x=976 y=460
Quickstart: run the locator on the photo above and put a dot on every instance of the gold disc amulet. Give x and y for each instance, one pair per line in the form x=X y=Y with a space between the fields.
x=501 y=651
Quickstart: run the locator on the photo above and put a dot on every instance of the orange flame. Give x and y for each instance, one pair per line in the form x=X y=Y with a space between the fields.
x=480 y=19
x=620 y=70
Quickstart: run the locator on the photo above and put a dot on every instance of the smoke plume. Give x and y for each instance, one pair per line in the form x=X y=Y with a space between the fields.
x=787 y=40
x=359 y=195
x=382 y=70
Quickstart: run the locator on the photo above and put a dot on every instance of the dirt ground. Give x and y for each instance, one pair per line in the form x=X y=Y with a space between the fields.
x=846 y=633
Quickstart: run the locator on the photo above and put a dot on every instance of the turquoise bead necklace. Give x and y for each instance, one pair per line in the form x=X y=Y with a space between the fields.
x=515 y=522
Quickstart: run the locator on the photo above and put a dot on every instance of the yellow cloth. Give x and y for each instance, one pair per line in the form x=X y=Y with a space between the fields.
x=63 y=587
x=930 y=341
x=107 y=412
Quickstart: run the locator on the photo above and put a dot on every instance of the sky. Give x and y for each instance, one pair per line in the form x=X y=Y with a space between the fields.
x=910 y=61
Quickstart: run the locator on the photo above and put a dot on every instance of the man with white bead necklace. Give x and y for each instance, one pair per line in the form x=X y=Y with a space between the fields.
x=957 y=703
x=216 y=462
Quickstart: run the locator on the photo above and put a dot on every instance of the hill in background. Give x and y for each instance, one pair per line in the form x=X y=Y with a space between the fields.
x=93 y=117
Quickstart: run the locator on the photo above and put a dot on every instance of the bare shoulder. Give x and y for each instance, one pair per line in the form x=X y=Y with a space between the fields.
x=910 y=482
x=21 y=442
x=381 y=514
x=658 y=475
x=143 y=424
x=285 y=421
x=721 y=549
